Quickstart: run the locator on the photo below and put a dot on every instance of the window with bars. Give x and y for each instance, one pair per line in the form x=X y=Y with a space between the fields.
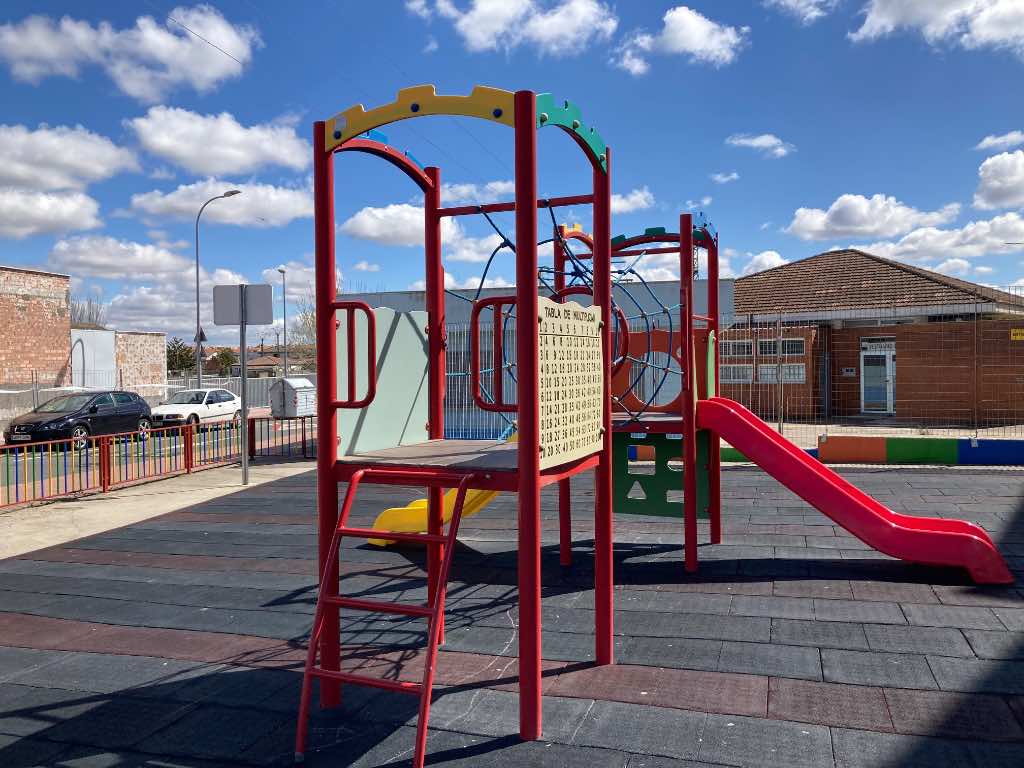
x=792 y=373
x=790 y=347
x=736 y=374
x=736 y=348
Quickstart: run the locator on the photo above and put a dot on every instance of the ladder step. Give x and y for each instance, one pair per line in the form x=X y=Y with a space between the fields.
x=370 y=533
x=375 y=605
x=371 y=682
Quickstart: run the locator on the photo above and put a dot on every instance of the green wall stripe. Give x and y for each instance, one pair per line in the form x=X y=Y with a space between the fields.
x=920 y=450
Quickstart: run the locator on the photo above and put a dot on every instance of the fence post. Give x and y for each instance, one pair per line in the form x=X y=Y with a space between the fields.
x=104 y=446
x=252 y=437
x=303 y=422
x=189 y=447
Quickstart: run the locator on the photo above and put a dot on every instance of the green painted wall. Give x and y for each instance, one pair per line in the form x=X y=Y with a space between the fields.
x=920 y=450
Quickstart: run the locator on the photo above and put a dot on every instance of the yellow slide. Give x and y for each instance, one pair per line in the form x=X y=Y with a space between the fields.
x=412 y=518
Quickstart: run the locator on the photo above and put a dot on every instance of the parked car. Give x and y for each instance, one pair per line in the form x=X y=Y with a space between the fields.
x=81 y=415
x=192 y=406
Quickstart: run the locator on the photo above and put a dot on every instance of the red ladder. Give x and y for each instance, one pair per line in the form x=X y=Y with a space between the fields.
x=433 y=610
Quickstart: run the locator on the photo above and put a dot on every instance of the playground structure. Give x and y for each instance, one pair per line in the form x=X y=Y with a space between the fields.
x=568 y=359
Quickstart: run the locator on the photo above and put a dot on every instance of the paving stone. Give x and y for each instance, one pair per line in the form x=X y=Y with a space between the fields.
x=496 y=713
x=893 y=592
x=773 y=607
x=868 y=749
x=978 y=676
x=15 y=662
x=770 y=659
x=678 y=653
x=893 y=669
x=993 y=597
x=853 y=706
x=826 y=588
x=955 y=715
x=907 y=639
x=996 y=645
x=823 y=634
x=27 y=710
x=104 y=673
x=967 y=617
x=214 y=732
x=858 y=611
x=118 y=723
x=647 y=730
x=16 y=751
x=745 y=741
x=1012 y=618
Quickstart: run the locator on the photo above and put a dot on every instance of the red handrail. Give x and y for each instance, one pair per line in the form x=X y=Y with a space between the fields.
x=498 y=405
x=351 y=307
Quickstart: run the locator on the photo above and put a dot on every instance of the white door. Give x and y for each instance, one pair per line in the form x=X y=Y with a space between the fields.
x=877 y=381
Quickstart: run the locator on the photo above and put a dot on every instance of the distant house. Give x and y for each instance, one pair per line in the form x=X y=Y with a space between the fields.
x=846 y=317
x=260 y=367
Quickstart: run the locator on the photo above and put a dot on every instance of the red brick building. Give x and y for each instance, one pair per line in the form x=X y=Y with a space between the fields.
x=867 y=338
x=35 y=308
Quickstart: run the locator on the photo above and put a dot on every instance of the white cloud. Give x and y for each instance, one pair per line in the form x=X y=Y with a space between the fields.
x=300 y=279
x=1001 y=181
x=805 y=11
x=665 y=266
x=431 y=45
x=636 y=200
x=984 y=270
x=975 y=239
x=492 y=191
x=145 y=61
x=218 y=144
x=725 y=178
x=956 y=267
x=969 y=24
x=419 y=7
x=24 y=213
x=162 y=173
x=105 y=257
x=704 y=202
x=366 y=266
x=58 y=158
x=561 y=28
x=768 y=144
x=259 y=205
x=395 y=224
x=402 y=224
x=859 y=216
x=470 y=283
x=685 y=32
x=762 y=261
x=1004 y=141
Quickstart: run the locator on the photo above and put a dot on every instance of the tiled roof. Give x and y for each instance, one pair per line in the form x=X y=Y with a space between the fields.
x=850 y=280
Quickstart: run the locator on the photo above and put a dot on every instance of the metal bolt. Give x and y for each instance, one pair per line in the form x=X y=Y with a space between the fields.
x=543 y=117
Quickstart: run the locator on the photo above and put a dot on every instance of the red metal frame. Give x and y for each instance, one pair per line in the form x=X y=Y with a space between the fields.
x=497 y=403
x=350 y=308
x=528 y=479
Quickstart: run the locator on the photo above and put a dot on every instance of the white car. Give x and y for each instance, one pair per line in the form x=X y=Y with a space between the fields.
x=192 y=406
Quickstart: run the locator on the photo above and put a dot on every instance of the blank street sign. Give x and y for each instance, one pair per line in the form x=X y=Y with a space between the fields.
x=259 y=304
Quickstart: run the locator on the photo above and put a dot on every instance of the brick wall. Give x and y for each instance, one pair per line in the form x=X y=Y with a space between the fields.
x=35 y=331
x=141 y=358
x=951 y=373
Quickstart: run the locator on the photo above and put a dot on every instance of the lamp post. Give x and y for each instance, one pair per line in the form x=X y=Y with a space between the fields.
x=284 y=304
x=199 y=332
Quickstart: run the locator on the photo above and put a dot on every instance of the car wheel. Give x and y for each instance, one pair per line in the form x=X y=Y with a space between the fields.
x=80 y=438
x=143 y=428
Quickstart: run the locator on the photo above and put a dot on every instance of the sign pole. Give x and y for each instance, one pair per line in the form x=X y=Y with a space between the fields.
x=243 y=427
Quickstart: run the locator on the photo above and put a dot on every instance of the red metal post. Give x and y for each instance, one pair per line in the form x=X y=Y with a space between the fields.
x=604 y=576
x=715 y=459
x=527 y=397
x=190 y=442
x=252 y=437
x=689 y=398
x=564 y=486
x=104 y=445
x=434 y=277
x=327 y=393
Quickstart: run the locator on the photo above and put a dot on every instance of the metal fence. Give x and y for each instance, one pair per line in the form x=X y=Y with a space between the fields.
x=33 y=472
x=257 y=390
x=957 y=372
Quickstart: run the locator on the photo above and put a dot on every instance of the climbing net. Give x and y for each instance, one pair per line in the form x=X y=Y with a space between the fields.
x=649 y=368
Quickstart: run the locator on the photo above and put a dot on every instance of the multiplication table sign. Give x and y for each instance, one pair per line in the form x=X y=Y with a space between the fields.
x=569 y=346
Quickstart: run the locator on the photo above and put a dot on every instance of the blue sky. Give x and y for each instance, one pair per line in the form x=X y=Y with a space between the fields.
x=795 y=125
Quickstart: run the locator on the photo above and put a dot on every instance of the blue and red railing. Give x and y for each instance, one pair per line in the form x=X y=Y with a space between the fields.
x=33 y=472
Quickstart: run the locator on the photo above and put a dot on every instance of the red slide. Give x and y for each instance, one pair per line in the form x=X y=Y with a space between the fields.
x=930 y=540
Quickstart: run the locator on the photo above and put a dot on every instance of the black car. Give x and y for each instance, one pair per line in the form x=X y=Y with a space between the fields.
x=80 y=415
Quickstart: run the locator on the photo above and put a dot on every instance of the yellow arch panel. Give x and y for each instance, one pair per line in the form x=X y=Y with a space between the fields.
x=487 y=103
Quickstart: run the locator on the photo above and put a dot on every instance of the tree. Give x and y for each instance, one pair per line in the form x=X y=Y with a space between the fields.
x=224 y=359
x=180 y=356
x=302 y=329
x=88 y=312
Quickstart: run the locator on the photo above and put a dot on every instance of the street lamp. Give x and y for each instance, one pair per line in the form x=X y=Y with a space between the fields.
x=284 y=303
x=199 y=331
